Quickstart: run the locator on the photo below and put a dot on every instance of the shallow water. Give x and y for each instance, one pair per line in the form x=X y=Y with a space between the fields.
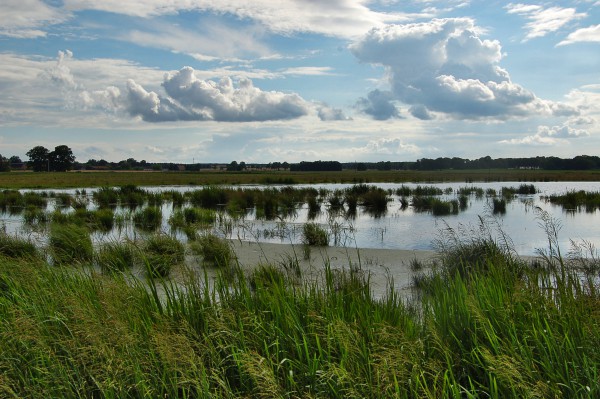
x=398 y=228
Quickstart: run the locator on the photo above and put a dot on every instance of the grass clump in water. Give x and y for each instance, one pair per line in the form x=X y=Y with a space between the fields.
x=160 y=253
x=17 y=247
x=214 y=250
x=116 y=256
x=149 y=218
x=70 y=243
x=314 y=235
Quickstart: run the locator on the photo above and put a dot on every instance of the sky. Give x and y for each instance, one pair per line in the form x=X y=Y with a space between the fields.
x=291 y=80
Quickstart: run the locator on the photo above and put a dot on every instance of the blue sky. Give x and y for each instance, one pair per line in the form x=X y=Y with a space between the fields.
x=290 y=80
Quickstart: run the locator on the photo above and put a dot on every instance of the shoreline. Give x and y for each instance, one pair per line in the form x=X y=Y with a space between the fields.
x=380 y=264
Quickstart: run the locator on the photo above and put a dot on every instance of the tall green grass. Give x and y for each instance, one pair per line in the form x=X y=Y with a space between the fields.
x=17 y=247
x=485 y=325
x=70 y=244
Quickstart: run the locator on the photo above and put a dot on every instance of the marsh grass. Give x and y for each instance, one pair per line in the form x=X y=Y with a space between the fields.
x=116 y=256
x=160 y=253
x=70 y=244
x=17 y=247
x=314 y=235
x=214 y=250
x=576 y=200
x=495 y=329
x=148 y=218
x=499 y=205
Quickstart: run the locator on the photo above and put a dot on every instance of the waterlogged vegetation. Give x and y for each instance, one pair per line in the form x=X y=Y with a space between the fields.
x=577 y=200
x=483 y=323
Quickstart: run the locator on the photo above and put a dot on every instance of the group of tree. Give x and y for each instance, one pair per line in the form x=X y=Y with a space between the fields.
x=60 y=160
x=317 y=166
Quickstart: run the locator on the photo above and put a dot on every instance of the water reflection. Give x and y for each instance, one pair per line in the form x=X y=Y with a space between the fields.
x=387 y=215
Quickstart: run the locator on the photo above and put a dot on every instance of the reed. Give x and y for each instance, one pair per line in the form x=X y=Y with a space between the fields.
x=214 y=250
x=499 y=205
x=148 y=218
x=161 y=253
x=314 y=235
x=17 y=247
x=116 y=256
x=496 y=331
x=70 y=244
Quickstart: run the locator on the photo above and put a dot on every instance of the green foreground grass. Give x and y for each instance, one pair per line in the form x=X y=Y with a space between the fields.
x=20 y=180
x=485 y=325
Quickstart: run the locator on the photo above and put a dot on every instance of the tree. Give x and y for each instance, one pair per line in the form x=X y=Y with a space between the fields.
x=38 y=158
x=62 y=158
x=15 y=159
x=4 y=164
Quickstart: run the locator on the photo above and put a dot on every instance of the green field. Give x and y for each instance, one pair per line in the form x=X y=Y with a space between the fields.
x=97 y=179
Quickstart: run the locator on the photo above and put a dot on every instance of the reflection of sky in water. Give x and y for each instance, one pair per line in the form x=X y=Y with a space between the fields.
x=397 y=229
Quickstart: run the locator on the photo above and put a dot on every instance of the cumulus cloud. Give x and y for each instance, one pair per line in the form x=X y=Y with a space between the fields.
x=420 y=112
x=60 y=73
x=444 y=66
x=550 y=135
x=190 y=98
x=327 y=113
x=390 y=146
x=590 y=34
x=543 y=20
x=379 y=105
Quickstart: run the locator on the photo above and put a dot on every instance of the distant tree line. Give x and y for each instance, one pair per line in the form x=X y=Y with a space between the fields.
x=580 y=162
x=317 y=166
x=62 y=159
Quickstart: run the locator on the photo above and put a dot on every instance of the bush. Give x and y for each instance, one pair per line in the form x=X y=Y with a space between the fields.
x=161 y=253
x=213 y=249
x=315 y=235
x=70 y=243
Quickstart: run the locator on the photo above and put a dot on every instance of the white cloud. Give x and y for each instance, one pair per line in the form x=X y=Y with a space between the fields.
x=208 y=42
x=544 y=20
x=379 y=105
x=550 y=135
x=342 y=18
x=444 y=66
x=190 y=98
x=26 y=19
x=326 y=113
x=590 y=34
x=308 y=71
x=390 y=146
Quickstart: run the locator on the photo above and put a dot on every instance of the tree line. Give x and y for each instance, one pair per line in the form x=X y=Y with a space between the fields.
x=580 y=162
x=61 y=159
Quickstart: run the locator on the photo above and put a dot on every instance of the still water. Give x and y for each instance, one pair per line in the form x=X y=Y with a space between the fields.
x=399 y=227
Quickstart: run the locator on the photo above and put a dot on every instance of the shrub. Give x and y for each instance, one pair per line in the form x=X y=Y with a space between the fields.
x=70 y=243
x=313 y=234
x=213 y=250
x=161 y=253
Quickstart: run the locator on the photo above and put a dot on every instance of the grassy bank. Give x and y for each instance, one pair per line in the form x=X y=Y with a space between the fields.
x=484 y=325
x=99 y=179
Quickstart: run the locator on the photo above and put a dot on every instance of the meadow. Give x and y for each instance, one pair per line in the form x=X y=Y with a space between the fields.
x=77 y=179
